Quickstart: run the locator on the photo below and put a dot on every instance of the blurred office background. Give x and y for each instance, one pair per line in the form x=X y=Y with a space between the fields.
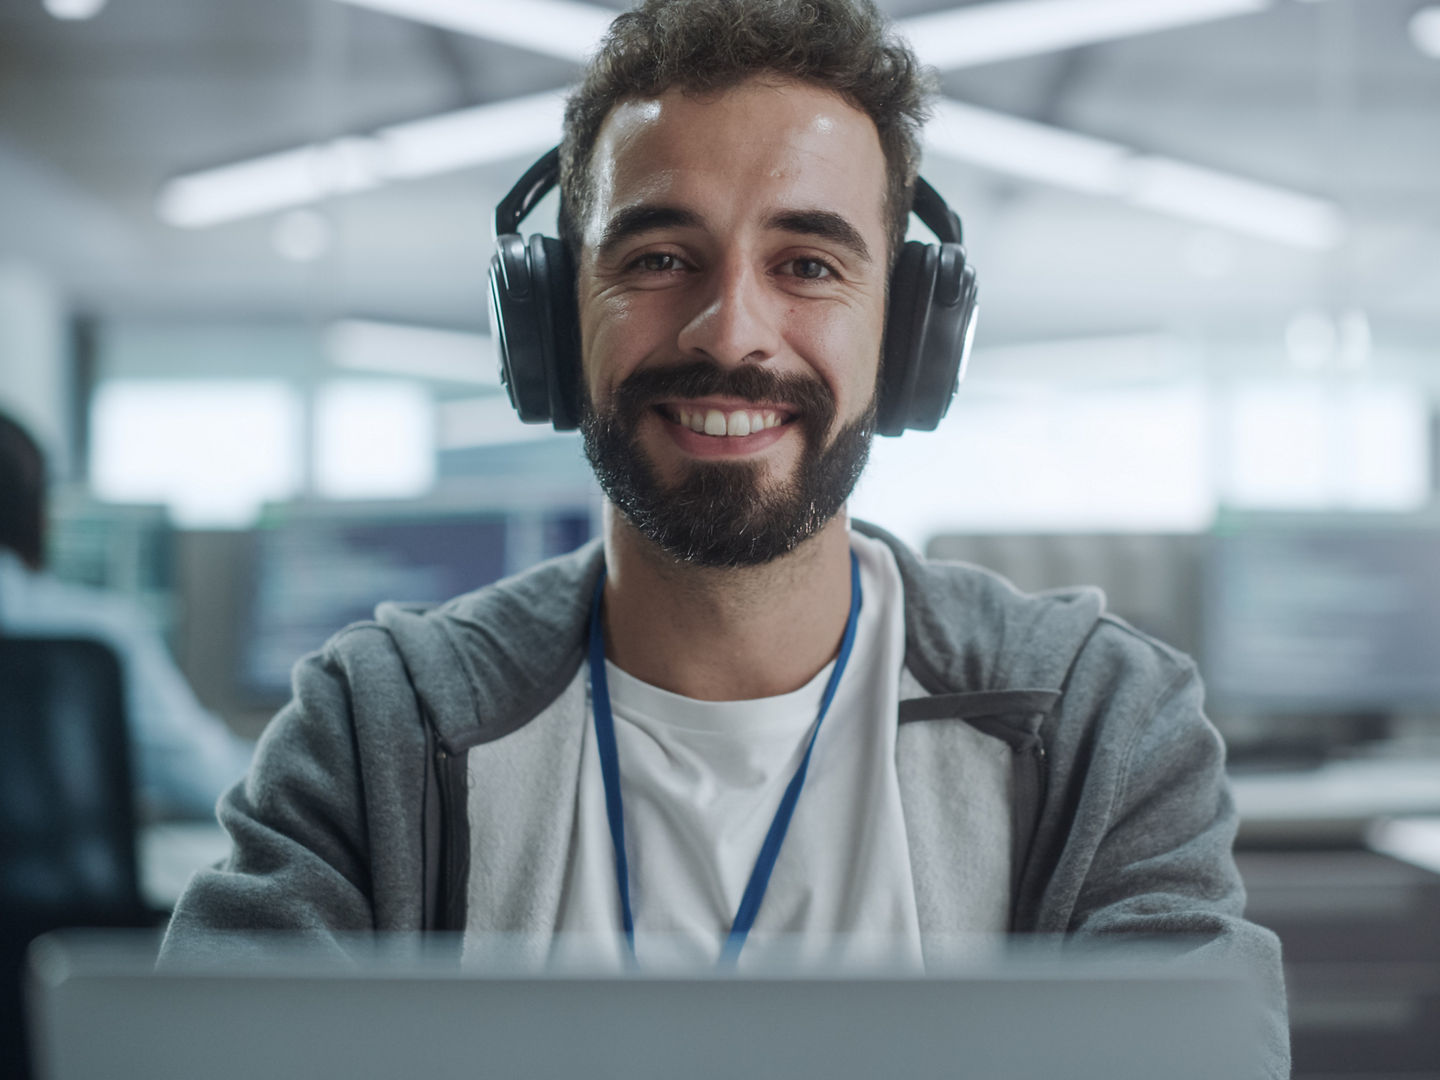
x=242 y=302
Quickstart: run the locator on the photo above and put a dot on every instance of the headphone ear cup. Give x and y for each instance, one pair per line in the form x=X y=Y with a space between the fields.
x=931 y=324
x=943 y=350
x=519 y=329
x=911 y=284
x=536 y=328
x=553 y=273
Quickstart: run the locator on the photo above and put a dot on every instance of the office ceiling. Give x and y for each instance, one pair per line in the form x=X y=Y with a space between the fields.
x=1330 y=98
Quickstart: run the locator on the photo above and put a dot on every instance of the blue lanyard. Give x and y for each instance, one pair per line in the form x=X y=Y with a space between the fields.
x=610 y=769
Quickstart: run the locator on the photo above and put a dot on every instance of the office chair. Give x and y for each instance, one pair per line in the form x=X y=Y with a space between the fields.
x=67 y=819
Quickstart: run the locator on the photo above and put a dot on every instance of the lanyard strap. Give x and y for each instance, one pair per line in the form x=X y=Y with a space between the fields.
x=610 y=770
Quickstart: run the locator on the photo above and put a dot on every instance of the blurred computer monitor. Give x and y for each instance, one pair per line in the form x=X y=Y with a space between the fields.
x=312 y=574
x=127 y=549
x=1149 y=579
x=1323 y=616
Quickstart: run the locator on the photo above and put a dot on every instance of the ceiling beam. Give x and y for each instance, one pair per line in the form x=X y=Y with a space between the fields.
x=1009 y=29
x=1057 y=157
x=461 y=139
x=568 y=29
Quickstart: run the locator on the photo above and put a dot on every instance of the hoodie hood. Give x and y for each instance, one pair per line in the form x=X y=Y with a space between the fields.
x=516 y=646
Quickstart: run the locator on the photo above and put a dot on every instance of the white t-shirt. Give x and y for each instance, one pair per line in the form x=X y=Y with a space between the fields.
x=701 y=781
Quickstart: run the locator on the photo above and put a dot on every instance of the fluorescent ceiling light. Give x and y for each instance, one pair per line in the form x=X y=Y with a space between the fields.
x=1023 y=148
x=521 y=126
x=416 y=351
x=563 y=28
x=272 y=182
x=985 y=33
x=992 y=140
x=1234 y=203
x=74 y=9
x=437 y=144
x=1425 y=31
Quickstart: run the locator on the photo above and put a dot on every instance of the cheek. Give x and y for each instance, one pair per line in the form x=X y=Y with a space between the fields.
x=608 y=328
x=844 y=351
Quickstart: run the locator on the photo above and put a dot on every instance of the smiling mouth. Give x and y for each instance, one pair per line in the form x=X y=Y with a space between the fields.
x=725 y=422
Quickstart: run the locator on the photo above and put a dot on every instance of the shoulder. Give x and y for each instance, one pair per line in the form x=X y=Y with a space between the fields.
x=528 y=607
x=487 y=661
x=517 y=614
x=969 y=629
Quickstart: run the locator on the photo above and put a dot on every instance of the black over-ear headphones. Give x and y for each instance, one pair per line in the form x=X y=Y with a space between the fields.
x=929 y=325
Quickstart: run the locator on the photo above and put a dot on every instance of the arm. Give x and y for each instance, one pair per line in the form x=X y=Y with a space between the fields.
x=1163 y=867
x=326 y=826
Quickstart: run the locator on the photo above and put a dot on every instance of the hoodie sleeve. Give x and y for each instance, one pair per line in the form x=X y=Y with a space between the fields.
x=326 y=827
x=1163 y=868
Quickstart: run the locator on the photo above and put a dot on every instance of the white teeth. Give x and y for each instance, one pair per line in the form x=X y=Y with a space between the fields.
x=737 y=424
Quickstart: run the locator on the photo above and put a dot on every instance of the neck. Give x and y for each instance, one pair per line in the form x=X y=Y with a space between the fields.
x=725 y=634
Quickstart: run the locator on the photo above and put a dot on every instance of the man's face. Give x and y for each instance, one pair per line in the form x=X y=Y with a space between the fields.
x=732 y=293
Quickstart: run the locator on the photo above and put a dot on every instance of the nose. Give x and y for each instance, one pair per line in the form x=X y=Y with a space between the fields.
x=738 y=319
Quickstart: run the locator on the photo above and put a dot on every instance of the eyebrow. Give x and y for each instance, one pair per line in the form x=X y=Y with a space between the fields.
x=824 y=225
x=648 y=217
x=643 y=218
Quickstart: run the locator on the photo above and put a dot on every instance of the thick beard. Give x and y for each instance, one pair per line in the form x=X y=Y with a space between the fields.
x=717 y=515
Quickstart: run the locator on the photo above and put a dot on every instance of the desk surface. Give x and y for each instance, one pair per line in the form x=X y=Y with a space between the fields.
x=1414 y=840
x=1368 y=788
x=1339 y=799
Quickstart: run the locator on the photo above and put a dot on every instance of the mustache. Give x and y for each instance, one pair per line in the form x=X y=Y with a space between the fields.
x=810 y=398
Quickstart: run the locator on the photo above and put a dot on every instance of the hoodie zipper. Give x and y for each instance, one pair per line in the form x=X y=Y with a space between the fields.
x=450 y=914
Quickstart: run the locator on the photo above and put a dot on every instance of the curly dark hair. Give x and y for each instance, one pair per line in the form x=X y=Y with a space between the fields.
x=22 y=494
x=845 y=46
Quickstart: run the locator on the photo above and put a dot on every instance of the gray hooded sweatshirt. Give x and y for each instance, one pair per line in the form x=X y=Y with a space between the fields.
x=407 y=786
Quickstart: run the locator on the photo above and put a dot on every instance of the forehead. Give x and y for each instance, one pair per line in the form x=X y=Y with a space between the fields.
x=763 y=144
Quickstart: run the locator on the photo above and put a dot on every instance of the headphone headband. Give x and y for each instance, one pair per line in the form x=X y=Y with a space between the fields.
x=935 y=214
x=528 y=190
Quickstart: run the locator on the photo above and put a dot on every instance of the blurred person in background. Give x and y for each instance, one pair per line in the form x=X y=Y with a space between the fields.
x=183 y=755
x=617 y=742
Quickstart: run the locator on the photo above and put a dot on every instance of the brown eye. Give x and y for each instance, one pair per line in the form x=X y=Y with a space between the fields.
x=810 y=269
x=656 y=262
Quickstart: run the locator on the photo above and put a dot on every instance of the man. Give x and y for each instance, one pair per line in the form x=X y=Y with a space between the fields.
x=603 y=746
x=184 y=755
